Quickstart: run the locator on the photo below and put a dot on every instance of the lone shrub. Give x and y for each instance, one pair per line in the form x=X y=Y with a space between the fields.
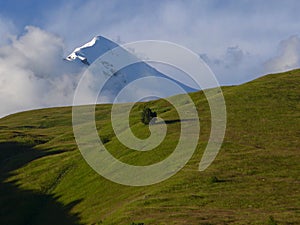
x=147 y=115
x=272 y=221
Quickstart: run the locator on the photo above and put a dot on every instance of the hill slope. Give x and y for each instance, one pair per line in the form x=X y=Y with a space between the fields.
x=254 y=180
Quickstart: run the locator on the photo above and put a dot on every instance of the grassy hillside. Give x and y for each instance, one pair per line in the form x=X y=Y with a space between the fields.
x=255 y=178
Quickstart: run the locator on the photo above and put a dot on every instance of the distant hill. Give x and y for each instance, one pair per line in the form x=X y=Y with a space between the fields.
x=255 y=178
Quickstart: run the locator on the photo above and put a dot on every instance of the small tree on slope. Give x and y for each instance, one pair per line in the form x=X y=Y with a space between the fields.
x=147 y=115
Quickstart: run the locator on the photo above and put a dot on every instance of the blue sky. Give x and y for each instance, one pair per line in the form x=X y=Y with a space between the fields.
x=239 y=39
x=209 y=27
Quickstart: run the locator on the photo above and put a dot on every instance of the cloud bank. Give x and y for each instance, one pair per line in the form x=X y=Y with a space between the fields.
x=33 y=73
x=234 y=65
x=287 y=57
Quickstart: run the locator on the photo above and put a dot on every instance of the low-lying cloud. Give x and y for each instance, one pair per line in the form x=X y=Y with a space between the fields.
x=288 y=56
x=234 y=66
x=33 y=73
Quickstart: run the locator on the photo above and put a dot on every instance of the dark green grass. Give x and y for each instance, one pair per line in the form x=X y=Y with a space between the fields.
x=255 y=178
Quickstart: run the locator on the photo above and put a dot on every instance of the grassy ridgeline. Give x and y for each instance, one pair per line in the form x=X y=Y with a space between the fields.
x=254 y=180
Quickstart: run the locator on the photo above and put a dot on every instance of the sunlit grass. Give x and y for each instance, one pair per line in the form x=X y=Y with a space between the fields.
x=254 y=177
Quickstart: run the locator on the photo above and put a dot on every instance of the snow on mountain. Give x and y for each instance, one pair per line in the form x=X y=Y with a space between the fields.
x=89 y=52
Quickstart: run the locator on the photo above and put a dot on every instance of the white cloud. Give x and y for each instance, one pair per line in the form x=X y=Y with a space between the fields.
x=33 y=73
x=234 y=66
x=288 y=56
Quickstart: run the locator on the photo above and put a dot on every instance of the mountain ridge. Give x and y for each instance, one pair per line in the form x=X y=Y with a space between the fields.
x=115 y=80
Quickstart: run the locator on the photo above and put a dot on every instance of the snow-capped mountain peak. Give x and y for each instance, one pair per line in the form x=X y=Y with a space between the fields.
x=90 y=51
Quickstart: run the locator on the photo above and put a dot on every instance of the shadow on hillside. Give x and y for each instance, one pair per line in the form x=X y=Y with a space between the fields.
x=19 y=206
x=175 y=121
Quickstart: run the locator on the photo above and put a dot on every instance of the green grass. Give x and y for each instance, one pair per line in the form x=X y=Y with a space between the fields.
x=255 y=178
